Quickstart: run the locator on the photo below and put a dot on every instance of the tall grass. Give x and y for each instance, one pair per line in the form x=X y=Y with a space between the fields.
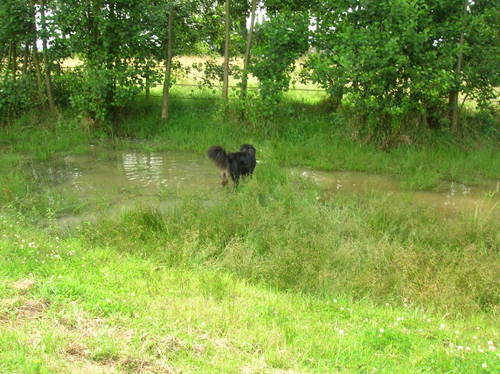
x=285 y=232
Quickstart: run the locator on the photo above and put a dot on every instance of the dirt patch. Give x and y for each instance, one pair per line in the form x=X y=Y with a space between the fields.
x=80 y=356
x=31 y=309
x=84 y=324
x=137 y=365
x=77 y=350
x=24 y=285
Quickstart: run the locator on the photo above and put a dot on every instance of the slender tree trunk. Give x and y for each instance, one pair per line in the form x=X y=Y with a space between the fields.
x=453 y=98
x=9 y=69
x=48 y=82
x=38 y=70
x=36 y=60
x=453 y=107
x=168 y=67
x=225 y=85
x=14 y=60
x=148 y=84
x=26 y=58
x=246 y=59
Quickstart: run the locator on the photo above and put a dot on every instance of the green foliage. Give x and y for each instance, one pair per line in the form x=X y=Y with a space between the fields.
x=17 y=96
x=395 y=60
x=279 y=43
x=393 y=64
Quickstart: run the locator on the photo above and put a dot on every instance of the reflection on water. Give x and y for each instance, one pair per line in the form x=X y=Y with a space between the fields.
x=143 y=173
x=121 y=180
x=450 y=195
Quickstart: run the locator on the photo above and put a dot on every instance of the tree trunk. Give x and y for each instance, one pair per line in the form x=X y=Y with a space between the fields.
x=225 y=85
x=48 y=82
x=9 y=69
x=453 y=97
x=246 y=59
x=14 y=61
x=26 y=59
x=168 y=68
x=148 y=84
x=36 y=60
x=38 y=70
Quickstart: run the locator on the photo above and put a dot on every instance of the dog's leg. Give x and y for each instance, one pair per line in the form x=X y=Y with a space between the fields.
x=224 y=175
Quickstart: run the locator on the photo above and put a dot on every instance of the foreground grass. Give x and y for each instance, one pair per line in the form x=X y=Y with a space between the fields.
x=67 y=306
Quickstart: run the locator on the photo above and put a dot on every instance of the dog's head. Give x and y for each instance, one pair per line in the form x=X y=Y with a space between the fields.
x=248 y=148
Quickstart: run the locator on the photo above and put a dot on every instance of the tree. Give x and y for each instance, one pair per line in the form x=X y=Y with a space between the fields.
x=48 y=80
x=246 y=58
x=279 y=42
x=399 y=62
x=225 y=86
x=168 y=66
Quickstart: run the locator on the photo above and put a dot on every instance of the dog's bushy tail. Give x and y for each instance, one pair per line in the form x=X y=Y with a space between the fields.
x=219 y=156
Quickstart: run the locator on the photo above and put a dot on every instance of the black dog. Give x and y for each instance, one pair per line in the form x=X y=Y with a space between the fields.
x=233 y=164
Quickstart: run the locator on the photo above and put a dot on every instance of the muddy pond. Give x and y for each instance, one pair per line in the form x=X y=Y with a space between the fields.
x=115 y=181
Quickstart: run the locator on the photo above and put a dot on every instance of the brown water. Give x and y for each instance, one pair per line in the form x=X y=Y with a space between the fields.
x=449 y=196
x=115 y=181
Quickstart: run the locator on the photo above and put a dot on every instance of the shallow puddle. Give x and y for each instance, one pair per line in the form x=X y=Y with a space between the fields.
x=449 y=196
x=115 y=181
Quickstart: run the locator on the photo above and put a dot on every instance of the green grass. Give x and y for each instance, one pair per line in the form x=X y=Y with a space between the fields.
x=279 y=276
x=103 y=308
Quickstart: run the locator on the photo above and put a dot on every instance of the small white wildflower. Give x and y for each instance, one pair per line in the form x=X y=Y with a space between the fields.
x=484 y=365
x=381 y=330
x=480 y=350
x=457 y=332
x=341 y=332
x=341 y=308
x=474 y=337
x=490 y=342
x=460 y=347
x=442 y=326
x=467 y=349
x=492 y=348
x=334 y=300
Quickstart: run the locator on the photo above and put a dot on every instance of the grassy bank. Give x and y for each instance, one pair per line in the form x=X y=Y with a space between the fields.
x=67 y=305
